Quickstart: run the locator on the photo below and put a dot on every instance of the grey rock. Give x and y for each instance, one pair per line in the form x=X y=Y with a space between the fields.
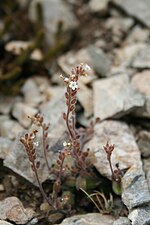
x=143 y=143
x=99 y=7
x=146 y=166
x=21 y=111
x=138 y=34
x=140 y=216
x=99 y=60
x=141 y=81
x=134 y=188
x=5 y=145
x=54 y=11
x=115 y=97
x=136 y=8
x=122 y=221
x=6 y=104
x=3 y=222
x=9 y=128
x=142 y=59
x=126 y=151
x=12 y=209
x=89 y=219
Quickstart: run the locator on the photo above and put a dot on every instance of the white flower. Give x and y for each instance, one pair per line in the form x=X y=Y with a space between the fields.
x=86 y=67
x=73 y=85
x=66 y=144
x=66 y=79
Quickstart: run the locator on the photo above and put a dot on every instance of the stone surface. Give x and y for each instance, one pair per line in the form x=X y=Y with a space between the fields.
x=21 y=111
x=126 y=152
x=115 y=97
x=9 y=128
x=89 y=219
x=136 y=8
x=144 y=143
x=140 y=216
x=99 y=60
x=12 y=209
x=5 y=145
x=141 y=60
x=54 y=11
x=3 y=222
x=134 y=188
x=122 y=221
x=141 y=81
x=99 y=7
x=146 y=164
x=138 y=34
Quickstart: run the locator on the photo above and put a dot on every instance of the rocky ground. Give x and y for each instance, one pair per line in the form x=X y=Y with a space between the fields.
x=113 y=37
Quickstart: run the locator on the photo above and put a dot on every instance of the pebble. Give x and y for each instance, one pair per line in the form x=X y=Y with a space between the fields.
x=143 y=143
x=141 y=59
x=3 y=222
x=140 y=216
x=99 y=7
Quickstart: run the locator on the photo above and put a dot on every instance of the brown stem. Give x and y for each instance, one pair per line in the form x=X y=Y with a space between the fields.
x=45 y=151
x=67 y=118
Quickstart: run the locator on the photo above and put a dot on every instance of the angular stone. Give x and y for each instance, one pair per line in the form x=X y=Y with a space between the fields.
x=136 y=8
x=54 y=11
x=3 y=222
x=115 y=97
x=142 y=59
x=12 y=209
x=21 y=111
x=141 y=81
x=122 y=221
x=138 y=34
x=5 y=145
x=134 y=188
x=140 y=216
x=99 y=7
x=126 y=152
x=99 y=60
x=89 y=219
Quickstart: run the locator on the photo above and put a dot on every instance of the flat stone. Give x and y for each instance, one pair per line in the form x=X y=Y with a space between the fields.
x=136 y=8
x=12 y=209
x=5 y=145
x=141 y=81
x=140 y=216
x=142 y=59
x=138 y=34
x=122 y=221
x=143 y=143
x=89 y=219
x=54 y=11
x=115 y=97
x=6 y=104
x=126 y=151
x=134 y=187
x=9 y=128
x=21 y=111
x=99 y=7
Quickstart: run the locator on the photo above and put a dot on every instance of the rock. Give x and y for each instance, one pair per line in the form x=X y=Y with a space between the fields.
x=9 y=128
x=99 y=7
x=6 y=104
x=138 y=34
x=140 y=216
x=17 y=47
x=146 y=164
x=122 y=221
x=21 y=111
x=12 y=209
x=3 y=222
x=143 y=143
x=99 y=60
x=2 y=188
x=141 y=59
x=72 y=58
x=115 y=97
x=134 y=188
x=141 y=81
x=89 y=219
x=5 y=145
x=126 y=151
x=54 y=12
x=136 y=8
x=85 y=97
